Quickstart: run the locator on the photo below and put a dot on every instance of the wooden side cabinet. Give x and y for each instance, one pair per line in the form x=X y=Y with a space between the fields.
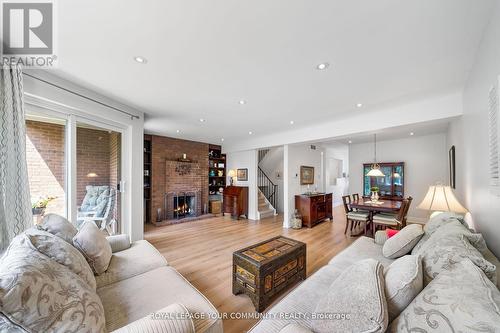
x=236 y=201
x=314 y=208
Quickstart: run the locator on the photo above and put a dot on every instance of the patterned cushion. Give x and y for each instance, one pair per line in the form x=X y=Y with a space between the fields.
x=41 y=295
x=295 y=328
x=356 y=300
x=91 y=197
x=403 y=282
x=435 y=223
x=62 y=252
x=402 y=242
x=451 y=244
x=385 y=219
x=94 y=246
x=459 y=300
x=59 y=226
x=358 y=216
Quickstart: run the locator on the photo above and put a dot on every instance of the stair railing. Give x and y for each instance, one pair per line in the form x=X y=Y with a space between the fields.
x=267 y=187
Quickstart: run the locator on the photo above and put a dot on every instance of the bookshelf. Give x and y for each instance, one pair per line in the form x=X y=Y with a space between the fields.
x=216 y=172
x=147 y=177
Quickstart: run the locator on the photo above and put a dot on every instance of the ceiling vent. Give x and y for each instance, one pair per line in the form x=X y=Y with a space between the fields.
x=494 y=134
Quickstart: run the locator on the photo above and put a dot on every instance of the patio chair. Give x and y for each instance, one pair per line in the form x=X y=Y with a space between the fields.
x=101 y=210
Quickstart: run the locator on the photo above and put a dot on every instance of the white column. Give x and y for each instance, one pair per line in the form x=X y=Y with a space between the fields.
x=287 y=208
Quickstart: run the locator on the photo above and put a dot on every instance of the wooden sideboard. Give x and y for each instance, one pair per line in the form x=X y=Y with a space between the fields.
x=314 y=208
x=236 y=201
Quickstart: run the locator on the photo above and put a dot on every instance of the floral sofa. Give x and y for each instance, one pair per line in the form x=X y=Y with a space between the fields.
x=452 y=289
x=48 y=283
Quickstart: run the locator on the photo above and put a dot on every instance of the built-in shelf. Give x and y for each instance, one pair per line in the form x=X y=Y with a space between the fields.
x=148 y=172
x=216 y=173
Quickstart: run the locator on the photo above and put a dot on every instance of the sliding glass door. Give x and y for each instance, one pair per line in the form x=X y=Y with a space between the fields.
x=98 y=174
x=74 y=168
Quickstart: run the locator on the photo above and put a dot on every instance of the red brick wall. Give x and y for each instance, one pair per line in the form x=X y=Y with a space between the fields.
x=169 y=149
x=98 y=152
x=92 y=156
x=46 y=167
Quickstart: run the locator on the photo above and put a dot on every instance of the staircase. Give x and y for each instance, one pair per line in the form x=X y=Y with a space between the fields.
x=265 y=208
x=268 y=192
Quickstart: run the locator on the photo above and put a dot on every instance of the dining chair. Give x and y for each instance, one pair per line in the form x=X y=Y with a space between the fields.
x=353 y=218
x=397 y=220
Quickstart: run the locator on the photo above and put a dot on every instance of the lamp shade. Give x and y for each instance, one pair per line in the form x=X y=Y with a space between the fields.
x=231 y=173
x=441 y=198
x=375 y=172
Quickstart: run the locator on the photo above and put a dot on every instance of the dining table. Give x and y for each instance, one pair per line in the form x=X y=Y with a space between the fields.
x=381 y=205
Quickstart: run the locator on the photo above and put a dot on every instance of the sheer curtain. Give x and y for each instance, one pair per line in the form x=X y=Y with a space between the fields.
x=15 y=203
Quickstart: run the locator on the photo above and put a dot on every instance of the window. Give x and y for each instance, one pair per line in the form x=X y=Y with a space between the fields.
x=494 y=127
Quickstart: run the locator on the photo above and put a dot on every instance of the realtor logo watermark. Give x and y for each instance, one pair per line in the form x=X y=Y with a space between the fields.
x=28 y=32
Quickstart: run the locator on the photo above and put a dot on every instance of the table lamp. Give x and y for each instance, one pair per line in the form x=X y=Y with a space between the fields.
x=440 y=198
x=231 y=173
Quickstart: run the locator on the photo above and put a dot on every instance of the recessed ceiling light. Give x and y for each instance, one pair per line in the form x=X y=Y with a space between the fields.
x=359 y=105
x=140 y=60
x=292 y=122
x=322 y=66
x=350 y=141
x=250 y=132
x=242 y=102
x=222 y=139
x=202 y=120
x=412 y=134
x=178 y=131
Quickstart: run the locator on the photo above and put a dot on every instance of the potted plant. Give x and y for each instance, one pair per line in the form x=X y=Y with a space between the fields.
x=38 y=207
x=374 y=196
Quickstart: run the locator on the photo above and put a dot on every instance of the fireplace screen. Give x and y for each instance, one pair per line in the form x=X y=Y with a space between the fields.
x=184 y=206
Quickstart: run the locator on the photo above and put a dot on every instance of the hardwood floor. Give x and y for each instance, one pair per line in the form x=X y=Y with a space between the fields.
x=202 y=252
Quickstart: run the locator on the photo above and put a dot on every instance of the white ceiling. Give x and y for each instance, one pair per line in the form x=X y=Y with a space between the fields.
x=205 y=56
x=392 y=133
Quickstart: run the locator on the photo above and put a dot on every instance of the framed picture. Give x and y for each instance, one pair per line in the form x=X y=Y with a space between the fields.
x=306 y=175
x=451 y=157
x=242 y=175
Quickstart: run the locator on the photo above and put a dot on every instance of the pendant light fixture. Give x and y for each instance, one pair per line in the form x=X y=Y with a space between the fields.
x=375 y=170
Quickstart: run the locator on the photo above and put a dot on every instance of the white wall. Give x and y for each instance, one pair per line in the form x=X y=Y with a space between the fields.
x=470 y=136
x=426 y=162
x=272 y=165
x=246 y=160
x=333 y=153
x=39 y=94
x=294 y=157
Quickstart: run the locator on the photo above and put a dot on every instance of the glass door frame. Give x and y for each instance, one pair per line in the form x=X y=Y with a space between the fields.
x=70 y=152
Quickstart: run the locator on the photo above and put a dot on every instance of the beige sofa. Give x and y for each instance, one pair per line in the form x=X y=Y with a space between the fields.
x=304 y=298
x=137 y=283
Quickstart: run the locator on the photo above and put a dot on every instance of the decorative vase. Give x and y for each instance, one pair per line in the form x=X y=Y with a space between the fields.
x=296 y=220
x=374 y=196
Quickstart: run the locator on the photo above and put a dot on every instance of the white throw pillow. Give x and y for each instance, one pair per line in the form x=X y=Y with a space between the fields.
x=59 y=226
x=355 y=300
x=94 y=246
x=402 y=242
x=404 y=280
x=459 y=300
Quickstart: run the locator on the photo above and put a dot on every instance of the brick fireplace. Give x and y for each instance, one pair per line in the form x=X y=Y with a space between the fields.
x=171 y=177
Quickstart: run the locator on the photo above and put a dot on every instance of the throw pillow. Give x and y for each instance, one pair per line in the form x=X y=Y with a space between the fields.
x=447 y=252
x=94 y=246
x=59 y=226
x=459 y=300
x=355 y=300
x=403 y=282
x=391 y=232
x=41 y=295
x=403 y=242
x=62 y=252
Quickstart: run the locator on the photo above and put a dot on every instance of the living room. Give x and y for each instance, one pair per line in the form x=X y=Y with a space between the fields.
x=286 y=167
